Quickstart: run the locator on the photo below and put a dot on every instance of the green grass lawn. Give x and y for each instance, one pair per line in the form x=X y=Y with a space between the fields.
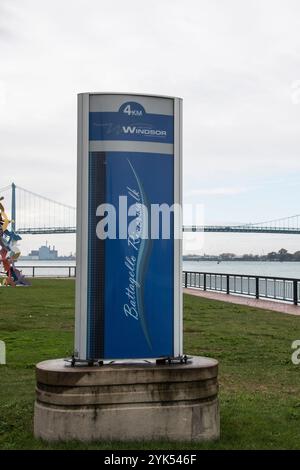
x=259 y=385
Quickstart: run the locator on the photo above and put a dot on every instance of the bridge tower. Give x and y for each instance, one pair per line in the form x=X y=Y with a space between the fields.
x=13 y=207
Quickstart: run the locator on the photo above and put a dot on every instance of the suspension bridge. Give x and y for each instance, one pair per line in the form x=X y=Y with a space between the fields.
x=33 y=214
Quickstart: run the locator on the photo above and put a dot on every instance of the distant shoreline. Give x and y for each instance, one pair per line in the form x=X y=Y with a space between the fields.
x=60 y=258
x=241 y=259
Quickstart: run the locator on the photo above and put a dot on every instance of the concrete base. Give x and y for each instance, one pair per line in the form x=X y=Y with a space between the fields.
x=128 y=401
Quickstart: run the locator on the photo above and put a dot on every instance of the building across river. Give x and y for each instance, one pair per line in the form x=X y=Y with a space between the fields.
x=46 y=253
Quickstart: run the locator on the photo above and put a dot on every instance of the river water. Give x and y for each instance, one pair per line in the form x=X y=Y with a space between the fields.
x=255 y=268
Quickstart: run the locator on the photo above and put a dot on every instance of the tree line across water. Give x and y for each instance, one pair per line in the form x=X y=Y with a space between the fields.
x=280 y=255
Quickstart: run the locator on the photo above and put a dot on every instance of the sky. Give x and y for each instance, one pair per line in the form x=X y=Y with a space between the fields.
x=236 y=64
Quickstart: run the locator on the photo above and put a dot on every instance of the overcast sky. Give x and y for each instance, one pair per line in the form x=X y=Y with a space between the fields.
x=235 y=63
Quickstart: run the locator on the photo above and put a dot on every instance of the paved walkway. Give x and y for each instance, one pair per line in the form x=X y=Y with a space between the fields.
x=250 y=302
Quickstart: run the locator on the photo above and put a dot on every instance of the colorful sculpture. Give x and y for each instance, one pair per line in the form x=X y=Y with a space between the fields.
x=9 y=253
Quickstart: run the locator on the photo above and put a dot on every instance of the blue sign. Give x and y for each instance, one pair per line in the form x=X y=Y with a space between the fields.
x=131 y=123
x=125 y=303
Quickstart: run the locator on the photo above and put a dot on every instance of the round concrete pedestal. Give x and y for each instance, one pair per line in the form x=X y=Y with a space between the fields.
x=128 y=401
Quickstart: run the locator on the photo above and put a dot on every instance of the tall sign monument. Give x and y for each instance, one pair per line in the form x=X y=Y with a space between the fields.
x=129 y=227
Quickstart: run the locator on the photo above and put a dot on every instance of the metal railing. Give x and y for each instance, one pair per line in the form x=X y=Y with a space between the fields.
x=275 y=288
x=48 y=271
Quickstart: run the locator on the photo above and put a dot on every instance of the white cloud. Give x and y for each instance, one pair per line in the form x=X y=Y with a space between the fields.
x=2 y=100
x=233 y=63
x=216 y=191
